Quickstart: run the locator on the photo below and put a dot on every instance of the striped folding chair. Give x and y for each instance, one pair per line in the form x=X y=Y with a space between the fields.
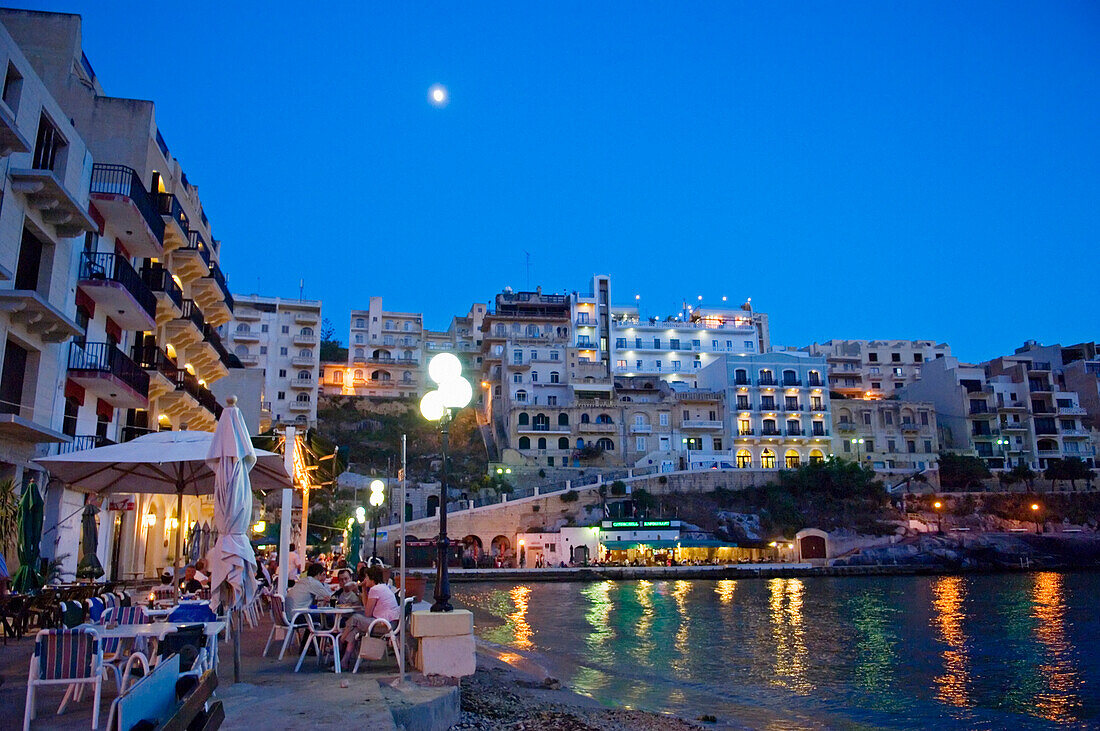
x=282 y=625
x=70 y=657
x=164 y=596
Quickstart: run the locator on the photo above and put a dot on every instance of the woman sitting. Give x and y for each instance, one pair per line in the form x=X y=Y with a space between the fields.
x=379 y=602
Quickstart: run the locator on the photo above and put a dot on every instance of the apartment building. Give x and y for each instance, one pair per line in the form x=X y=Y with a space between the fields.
x=678 y=347
x=147 y=292
x=779 y=412
x=462 y=337
x=281 y=337
x=888 y=435
x=385 y=352
x=44 y=217
x=875 y=368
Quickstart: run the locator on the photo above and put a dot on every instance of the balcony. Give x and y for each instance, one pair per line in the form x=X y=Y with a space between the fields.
x=121 y=197
x=742 y=382
x=641 y=428
x=245 y=336
x=249 y=360
x=793 y=407
x=793 y=432
x=212 y=294
x=746 y=432
x=1049 y=453
x=182 y=399
x=246 y=313
x=11 y=139
x=1071 y=411
x=764 y=406
x=767 y=381
x=168 y=295
x=584 y=322
x=301 y=339
x=561 y=430
x=770 y=432
x=187 y=329
x=34 y=312
x=191 y=261
x=175 y=221
x=1014 y=425
x=163 y=373
x=819 y=433
x=300 y=405
x=699 y=396
x=594 y=428
x=701 y=424
x=909 y=427
x=305 y=318
x=105 y=371
x=302 y=383
x=45 y=192
x=114 y=285
x=302 y=360
x=846 y=426
x=792 y=382
x=815 y=383
x=1075 y=433
x=82 y=442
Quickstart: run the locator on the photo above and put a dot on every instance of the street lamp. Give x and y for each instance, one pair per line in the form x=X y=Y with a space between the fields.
x=858 y=441
x=452 y=392
x=1003 y=443
x=377 y=497
x=939 y=515
x=1035 y=512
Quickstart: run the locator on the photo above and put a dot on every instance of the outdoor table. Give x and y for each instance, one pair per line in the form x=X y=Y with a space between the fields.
x=159 y=612
x=335 y=613
x=158 y=631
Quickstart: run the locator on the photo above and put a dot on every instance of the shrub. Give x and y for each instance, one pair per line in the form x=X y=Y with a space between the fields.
x=618 y=487
x=570 y=496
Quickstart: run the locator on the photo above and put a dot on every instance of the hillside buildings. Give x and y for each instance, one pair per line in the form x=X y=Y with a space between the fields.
x=282 y=338
x=875 y=368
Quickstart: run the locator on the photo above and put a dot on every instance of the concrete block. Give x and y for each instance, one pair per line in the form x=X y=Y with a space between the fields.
x=426 y=623
x=453 y=657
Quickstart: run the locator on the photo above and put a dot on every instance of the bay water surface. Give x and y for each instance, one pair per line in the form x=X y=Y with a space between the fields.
x=979 y=651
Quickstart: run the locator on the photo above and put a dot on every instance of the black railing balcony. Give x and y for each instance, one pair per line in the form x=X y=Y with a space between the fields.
x=192 y=312
x=169 y=205
x=106 y=358
x=210 y=335
x=741 y=382
x=115 y=268
x=770 y=432
x=82 y=442
x=819 y=432
x=792 y=382
x=196 y=242
x=746 y=432
x=792 y=407
x=188 y=383
x=159 y=279
x=207 y=400
x=794 y=432
x=219 y=278
x=765 y=406
x=815 y=382
x=766 y=381
x=152 y=358
x=980 y=409
x=121 y=180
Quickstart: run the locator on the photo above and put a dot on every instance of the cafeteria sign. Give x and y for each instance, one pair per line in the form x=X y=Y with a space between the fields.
x=121 y=503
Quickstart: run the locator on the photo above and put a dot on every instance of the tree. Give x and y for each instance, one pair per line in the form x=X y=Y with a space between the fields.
x=1074 y=469
x=618 y=487
x=332 y=349
x=1055 y=471
x=1022 y=473
x=588 y=452
x=570 y=496
x=643 y=501
x=961 y=472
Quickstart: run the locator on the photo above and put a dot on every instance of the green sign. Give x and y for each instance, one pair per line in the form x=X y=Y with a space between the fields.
x=643 y=524
x=657 y=524
x=624 y=524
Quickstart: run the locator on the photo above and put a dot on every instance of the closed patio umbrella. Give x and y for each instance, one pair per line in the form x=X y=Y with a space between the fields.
x=205 y=540
x=194 y=541
x=232 y=563
x=30 y=535
x=355 y=543
x=167 y=462
x=89 y=566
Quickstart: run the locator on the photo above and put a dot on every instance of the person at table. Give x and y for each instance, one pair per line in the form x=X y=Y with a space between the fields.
x=307 y=590
x=379 y=602
x=293 y=565
x=190 y=584
x=347 y=594
x=200 y=571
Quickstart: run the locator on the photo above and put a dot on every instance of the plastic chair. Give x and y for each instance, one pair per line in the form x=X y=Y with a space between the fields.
x=316 y=638
x=282 y=624
x=124 y=684
x=71 y=657
x=392 y=635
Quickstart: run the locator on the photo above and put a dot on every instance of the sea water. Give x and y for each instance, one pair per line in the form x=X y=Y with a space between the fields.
x=978 y=651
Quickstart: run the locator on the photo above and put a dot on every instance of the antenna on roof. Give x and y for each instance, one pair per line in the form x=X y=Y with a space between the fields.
x=301 y=288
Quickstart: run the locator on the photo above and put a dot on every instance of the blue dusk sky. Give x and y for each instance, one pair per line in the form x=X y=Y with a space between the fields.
x=859 y=169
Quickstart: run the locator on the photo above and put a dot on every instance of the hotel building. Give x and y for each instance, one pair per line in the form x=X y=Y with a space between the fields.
x=888 y=435
x=875 y=368
x=384 y=352
x=140 y=296
x=281 y=337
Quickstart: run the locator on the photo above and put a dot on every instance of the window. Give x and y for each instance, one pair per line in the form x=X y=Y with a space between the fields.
x=281 y=395
x=49 y=146
x=662 y=418
x=282 y=351
x=620 y=364
x=541 y=443
x=304 y=375
x=534 y=376
x=639 y=444
x=742 y=401
x=637 y=342
x=696 y=364
x=927 y=445
x=359 y=338
x=767 y=459
x=713 y=344
x=891 y=445
x=674 y=344
x=555 y=377
x=605 y=444
x=872 y=357
x=517 y=378
x=282 y=373
x=791 y=460
x=521 y=396
x=13 y=87
x=638 y=365
x=552 y=400
x=675 y=365
x=517 y=357
x=895 y=357
x=744 y=459
x=35 y=256
x=286 y=329
x=819 y=428
x=12 y=379
x=359 y=322
x=620 y=342
x=874 y=370
x=717 y=444
x=563 y=443
x=898 y=372
x=524 y=443
x=867 y=418
x=657 y=343
x=658 y=364
x=263 y=328
x=303 y=398
x=408 y=326
x=767 y=403
x=910 y=446
x=918 y=358
x=888 y=418
x=870 y=445
x=337 y=376
x=553 y=355
x=749 y=345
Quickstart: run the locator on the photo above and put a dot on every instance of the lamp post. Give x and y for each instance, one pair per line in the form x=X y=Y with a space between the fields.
x=858 y=441
x=452 y=392
x=939 y=515
x=377 y=497
x=360 y=518
x=1035 y=512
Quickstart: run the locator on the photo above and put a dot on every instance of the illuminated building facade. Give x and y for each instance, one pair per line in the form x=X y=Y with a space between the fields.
x=385 y=352
x=889 y=435
x=875 y=368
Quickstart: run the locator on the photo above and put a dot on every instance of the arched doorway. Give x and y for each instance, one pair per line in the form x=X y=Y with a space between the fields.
x=500 y=548
x=579 y=554
x=433 y=505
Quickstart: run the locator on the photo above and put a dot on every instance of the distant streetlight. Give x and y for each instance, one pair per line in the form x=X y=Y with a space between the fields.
x=1035 y=512
x=1003 y=443
x=452 y=392
x=858 y=441
x=377 y=497
x=939 y=515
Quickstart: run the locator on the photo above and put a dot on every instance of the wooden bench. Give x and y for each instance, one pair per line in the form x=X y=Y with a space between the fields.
x=153 y=698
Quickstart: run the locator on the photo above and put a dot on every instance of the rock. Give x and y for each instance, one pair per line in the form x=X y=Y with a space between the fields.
x=551 y=684
x=707 y=718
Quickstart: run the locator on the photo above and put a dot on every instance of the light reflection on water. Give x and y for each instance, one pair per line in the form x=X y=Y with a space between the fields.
x=901 y=652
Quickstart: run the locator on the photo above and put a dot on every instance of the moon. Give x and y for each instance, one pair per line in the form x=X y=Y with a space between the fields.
x=438 y=95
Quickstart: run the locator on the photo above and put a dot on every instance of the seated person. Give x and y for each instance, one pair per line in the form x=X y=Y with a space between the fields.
x=189 y=584
x=200 y=571
x=379 y=602
x=347 y=593
x=306 y=590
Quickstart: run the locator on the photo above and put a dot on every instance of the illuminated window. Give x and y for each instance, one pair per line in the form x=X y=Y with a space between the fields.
x=767 y=459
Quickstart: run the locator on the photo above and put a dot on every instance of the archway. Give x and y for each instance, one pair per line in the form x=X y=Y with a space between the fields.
x=579 y=554
x=500 y=548
x=433 y=505
x=816 y=456
x=791 y=460
x=767 y=459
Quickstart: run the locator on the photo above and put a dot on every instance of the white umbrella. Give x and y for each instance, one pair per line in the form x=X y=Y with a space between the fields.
x=167 y=462
x=232 y=562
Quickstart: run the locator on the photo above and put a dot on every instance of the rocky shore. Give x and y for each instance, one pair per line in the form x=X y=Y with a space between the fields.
x=499 y=696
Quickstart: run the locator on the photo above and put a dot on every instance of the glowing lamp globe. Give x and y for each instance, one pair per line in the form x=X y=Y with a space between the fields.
x=456 y=392
x=376 y=499
x=360 y=515
x=432 y=406
x=444 y=367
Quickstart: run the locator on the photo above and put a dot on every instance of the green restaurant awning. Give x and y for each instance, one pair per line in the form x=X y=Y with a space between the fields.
x=687 y=543
x=627 y=545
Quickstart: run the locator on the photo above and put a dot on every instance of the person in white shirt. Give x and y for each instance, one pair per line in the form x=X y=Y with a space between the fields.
x=306 y=590
x=293 y=564
x=379 y=602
